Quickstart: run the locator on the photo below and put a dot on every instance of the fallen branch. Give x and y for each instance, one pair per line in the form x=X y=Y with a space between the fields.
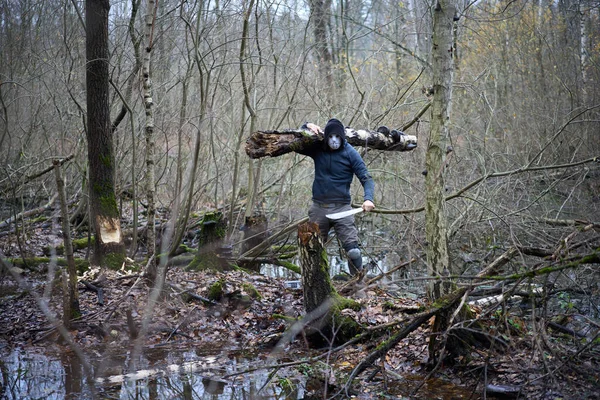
x=446 y=302
x=99 y=292
x=29 y=213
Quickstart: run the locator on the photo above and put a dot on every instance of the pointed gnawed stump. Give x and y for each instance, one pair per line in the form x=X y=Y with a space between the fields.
x=323 y=320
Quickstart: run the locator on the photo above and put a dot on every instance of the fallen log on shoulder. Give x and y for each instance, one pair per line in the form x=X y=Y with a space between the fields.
x=274 y=143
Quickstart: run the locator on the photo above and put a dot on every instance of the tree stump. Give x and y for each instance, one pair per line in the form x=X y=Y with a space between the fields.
x=255 y=233
x=323 y=321
x=210 y=244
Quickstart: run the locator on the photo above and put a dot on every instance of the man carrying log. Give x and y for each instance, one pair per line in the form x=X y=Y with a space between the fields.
x=336 y=162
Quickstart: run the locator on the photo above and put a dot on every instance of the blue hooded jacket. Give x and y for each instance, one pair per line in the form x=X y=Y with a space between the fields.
x=335 y=169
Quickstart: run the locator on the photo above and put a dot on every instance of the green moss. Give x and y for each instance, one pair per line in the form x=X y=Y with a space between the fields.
x=286 y=385
x=215 y=291
x=205 y=261
x=108 y=204
x=81 y=264
x=292 y=267
x=78 y=244
x=447 y=300
x=284 y=317
x=348 y=327
x=113 y=261
x=185 y=249
x=343 y=303
x=251 y=290
x=212 y=228
x=82 y=243
x=105 y=160
x=288 y=248
x=105 y=194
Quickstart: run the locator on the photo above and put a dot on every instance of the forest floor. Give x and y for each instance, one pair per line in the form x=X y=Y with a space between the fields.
x=244 y=319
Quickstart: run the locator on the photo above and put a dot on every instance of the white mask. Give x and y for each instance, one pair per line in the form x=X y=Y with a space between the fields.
x=334 y=141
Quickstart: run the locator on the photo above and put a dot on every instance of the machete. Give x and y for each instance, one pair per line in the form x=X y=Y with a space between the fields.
x=343 y=214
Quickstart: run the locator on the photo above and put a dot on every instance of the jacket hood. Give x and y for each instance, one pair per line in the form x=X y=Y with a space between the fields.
x=334 y=126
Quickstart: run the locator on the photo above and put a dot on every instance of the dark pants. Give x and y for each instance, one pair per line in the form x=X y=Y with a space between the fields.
x=344 y=228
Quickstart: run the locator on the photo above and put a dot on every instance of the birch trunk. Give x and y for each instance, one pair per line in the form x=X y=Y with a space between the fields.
x=149 y=134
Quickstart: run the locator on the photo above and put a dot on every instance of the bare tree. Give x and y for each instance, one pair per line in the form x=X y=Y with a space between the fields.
x=438 y=260
x=150 y=145
x=109 y=247
x=320 y=15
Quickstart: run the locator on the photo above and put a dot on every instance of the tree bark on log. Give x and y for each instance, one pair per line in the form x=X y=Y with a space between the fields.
x=315 y=268
x=273 y=143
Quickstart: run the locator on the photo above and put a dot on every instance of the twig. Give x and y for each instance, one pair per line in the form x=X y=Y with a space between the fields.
x=95 y=289
x=29 y=213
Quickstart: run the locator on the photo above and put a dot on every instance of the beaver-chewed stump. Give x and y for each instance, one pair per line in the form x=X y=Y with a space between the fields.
x=324 y=323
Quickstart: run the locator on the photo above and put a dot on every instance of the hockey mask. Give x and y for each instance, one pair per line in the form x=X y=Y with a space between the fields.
x=334 y=141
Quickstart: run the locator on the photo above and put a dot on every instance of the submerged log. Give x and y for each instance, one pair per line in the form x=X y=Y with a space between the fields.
x=273 y=143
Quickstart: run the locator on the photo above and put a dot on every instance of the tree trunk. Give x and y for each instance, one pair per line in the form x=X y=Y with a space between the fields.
x=253 y=173
x=109 y=249
x=71 y=304
x=320 y=10
x=255 y=233
x=438 y=263
x=275 y=143
x=210 y=244
x=437 y=248
x=322 y=303
x=149 y=130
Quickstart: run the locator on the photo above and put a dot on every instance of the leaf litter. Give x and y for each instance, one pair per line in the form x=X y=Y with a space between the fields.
x=242 y=321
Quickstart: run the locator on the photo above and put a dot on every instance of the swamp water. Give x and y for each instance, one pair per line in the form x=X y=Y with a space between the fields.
x=49 y=375
x=162 y=373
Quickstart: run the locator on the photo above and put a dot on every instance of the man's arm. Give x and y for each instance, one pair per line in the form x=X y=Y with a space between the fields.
x=367 y=182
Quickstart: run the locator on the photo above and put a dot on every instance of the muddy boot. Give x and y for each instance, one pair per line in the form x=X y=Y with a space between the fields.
x=354 y=261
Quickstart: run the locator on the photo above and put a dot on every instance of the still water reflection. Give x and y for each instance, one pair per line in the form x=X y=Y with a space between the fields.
x=60 y=375
x=57 y=373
